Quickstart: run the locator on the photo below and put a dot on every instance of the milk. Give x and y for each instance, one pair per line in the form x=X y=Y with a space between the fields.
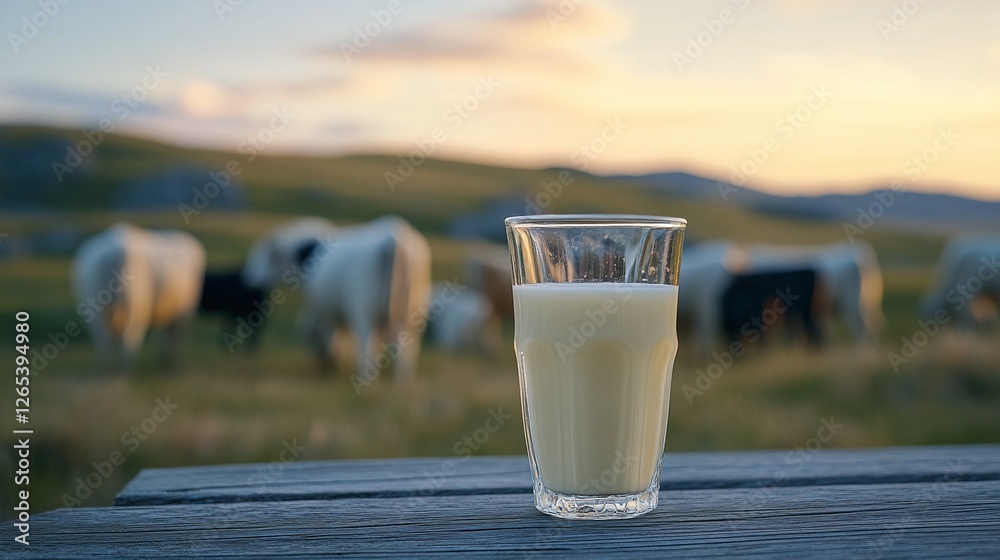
x=595 y=361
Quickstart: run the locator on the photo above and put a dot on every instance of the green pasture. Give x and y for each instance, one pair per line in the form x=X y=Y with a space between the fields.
x=243 y=408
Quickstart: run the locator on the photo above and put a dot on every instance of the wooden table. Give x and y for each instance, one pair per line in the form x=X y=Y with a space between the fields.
x=927 y=502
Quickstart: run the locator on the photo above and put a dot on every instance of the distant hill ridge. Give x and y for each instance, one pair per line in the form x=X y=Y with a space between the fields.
x=354 y=185
x=888 y=205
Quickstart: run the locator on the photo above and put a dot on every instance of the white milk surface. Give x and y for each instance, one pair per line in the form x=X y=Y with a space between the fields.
x=596 y=360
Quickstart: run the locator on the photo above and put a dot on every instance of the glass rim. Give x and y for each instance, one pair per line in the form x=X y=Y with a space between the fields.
x=603 y=220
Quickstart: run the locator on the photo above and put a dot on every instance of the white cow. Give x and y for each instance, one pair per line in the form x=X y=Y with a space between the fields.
x=849 y=274
x=462 y=319
x=373 y=279
x=967 y=272
x=128 y=280
x=706 y=271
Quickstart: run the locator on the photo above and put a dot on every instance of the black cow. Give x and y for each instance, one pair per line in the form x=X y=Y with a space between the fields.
x=224 y=293
x=755 y=303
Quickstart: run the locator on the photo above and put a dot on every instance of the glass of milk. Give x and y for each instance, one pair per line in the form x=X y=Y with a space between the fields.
x=595 y=306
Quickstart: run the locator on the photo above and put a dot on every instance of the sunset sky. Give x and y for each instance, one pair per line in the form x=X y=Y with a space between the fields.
x=825 y=95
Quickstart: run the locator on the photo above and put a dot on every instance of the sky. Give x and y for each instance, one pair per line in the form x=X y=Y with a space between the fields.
x=788 y=96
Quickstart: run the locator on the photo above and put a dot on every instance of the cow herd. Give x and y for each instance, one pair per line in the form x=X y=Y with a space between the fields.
x=745 y=292
x=370 y=284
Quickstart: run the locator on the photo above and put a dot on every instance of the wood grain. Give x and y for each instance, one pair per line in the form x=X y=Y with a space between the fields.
x=915 y=520
x=510 y=475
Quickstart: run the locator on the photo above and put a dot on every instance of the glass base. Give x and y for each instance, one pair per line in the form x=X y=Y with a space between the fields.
x=615 y=506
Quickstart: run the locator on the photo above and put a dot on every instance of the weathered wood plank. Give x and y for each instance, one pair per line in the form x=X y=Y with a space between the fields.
x=505 y=475
x=917 y=520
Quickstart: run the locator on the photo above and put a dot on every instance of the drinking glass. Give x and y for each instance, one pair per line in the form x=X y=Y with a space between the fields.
x=595 y=307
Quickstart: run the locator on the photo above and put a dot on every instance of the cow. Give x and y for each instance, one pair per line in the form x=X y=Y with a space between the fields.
x=966 y=282
x=226 y=293
x=752 y=304
x=849 y=273
x=128 y=280
x=373 y=279
x=462 y=320
x=706 y=270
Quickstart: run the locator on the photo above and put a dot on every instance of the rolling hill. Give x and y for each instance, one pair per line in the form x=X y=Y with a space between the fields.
x=53 y=177
x=902 y=207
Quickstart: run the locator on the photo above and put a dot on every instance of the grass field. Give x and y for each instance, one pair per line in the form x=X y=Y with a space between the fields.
x=245 y=408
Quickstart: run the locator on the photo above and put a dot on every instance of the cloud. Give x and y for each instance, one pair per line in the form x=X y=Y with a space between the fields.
x=323 y=85
x=540 y=34
x=200 y=98
x=196 y=101
x=39 y=94
x=544 y=50
x=195 y=105
x=647 y=104
x=95 y=106
x=581 y=19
